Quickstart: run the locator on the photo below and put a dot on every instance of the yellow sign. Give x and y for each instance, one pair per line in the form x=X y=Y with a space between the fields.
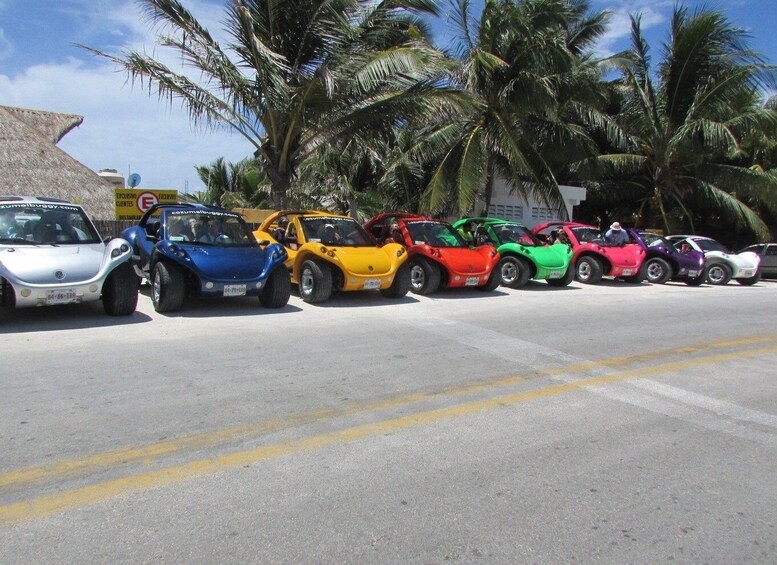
x=131 y=203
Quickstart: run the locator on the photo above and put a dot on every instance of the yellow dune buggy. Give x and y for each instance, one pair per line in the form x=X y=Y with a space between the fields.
x=329 y=252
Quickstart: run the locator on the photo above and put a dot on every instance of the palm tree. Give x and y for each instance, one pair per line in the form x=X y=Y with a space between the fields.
x=241 y=184
x=686 y=121
x=536 y=91
x=297 y=73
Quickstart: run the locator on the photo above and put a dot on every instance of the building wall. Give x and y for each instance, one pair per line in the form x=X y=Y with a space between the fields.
x=530 y=213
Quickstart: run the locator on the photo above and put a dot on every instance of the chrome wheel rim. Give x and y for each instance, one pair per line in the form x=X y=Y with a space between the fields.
x=306 y=281
x=509 y=271
x=655 y=271
x=584 y=270
x=716 y=274
x=155 y=287
x=417 y=277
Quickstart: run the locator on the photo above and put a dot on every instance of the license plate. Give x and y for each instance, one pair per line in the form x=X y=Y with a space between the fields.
x=372 y=283
x=234 y=290
x=748 y=273
x=472 y=281
x=627 y=272
x=554 y=275
x=693 y=273
x=61 y=296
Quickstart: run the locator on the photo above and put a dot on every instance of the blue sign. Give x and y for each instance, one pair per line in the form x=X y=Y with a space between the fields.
x=133 y=180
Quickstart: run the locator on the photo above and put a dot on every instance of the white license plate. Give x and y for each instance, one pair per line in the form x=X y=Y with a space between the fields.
x=627 y=272
x=372 y=283
x=234 y=290
x=693 y=273
x=554 y=275
x=61 y=296
x=748 y=273
x=472 y=281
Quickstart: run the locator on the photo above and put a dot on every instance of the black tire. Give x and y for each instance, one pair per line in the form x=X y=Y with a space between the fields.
x=750 y=281
x=120 y=291
x=424 y=276
x=493 y=281
x=639 y=277
x=277 y=290
x=514 y=271
x=657 y=270
x=7 y=299
x=718 y=274
x=315 y=281
x=696 y=281
x=401 y=284
x=588 y=270
x=168 y=287
x=565 y=280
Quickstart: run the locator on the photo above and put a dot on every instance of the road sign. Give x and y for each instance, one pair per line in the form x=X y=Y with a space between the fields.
x=131 y=204
x=146 y=200
x=133 y=180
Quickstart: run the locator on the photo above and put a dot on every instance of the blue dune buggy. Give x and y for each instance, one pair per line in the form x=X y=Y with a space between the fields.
x=184 y=249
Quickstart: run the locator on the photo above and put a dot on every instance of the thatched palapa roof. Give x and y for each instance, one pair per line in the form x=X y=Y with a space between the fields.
x=32 y=165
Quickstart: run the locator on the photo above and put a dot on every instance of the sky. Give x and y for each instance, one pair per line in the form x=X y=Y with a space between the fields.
x=126 y=129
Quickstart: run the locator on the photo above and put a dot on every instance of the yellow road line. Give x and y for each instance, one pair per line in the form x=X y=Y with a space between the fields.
x=76 y=498
x=150 y=452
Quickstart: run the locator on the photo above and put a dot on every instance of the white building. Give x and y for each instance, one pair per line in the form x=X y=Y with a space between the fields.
x=530 y=213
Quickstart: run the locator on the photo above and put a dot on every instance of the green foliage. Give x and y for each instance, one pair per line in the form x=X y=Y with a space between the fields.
x=690 y=123
x=233 y=185
x=297 y=73
x=537 y=95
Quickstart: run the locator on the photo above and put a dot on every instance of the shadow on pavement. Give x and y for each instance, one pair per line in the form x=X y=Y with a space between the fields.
x=65 y=317
x=197 y=307
x=359 y=299
x=542 y=286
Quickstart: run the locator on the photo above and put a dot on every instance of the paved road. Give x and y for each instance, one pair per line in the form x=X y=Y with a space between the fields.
x=614 y=423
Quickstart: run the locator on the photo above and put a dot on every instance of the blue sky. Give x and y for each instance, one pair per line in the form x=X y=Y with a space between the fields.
x=125 y=129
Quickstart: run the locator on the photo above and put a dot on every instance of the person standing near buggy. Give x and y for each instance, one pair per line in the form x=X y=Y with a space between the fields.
x=616 y=235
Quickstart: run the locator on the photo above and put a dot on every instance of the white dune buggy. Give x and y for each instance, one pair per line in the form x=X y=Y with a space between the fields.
x=51 y=253
x=721 y=264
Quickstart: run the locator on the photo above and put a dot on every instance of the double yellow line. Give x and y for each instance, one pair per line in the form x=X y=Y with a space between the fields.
x=43 y=506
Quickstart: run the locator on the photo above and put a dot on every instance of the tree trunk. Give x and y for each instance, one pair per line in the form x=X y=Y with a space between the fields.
x=489 y=188
x=280 y=185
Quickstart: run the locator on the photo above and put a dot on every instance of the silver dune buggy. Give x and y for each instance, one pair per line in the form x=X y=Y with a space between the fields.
x=51 y=253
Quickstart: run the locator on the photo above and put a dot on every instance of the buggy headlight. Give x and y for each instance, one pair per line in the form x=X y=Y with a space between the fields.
x=121 y=250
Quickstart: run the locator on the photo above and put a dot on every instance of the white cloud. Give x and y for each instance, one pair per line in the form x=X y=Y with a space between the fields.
x=123 y=125
x=619 y=27
x=6 y=48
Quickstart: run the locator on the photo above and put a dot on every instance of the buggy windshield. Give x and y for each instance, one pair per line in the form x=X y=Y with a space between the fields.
x=711 y=245
x=655 y=240
x=57 y=224
x=514 y=233
x=208 y=228
x=587 y=235
x=437 y=234
x=332 y=230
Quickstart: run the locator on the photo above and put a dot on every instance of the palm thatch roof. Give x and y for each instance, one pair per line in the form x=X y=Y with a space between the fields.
x=32 y=165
